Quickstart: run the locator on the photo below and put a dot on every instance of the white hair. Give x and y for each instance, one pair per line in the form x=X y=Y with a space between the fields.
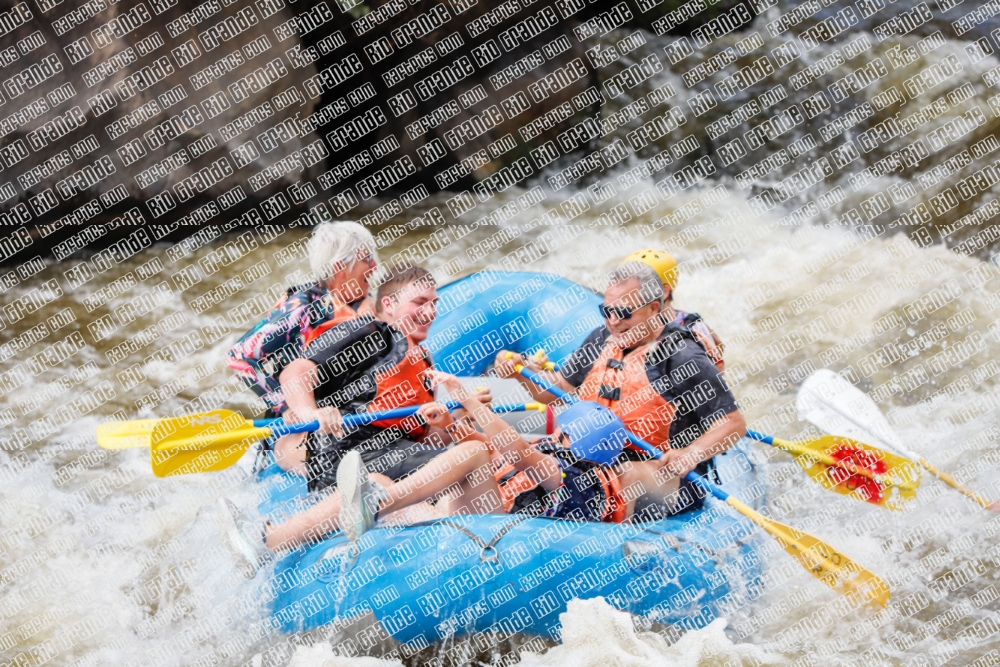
x=338 y=241
x=650 y=284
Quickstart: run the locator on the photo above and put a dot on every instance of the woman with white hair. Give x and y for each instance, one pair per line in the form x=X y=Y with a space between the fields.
x=342 y=258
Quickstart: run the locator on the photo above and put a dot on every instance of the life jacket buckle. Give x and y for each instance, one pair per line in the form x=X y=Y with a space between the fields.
x=616 y=364
x=610 y=393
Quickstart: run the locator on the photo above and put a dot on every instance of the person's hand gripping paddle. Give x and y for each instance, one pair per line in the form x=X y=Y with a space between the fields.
x=215 y=440
x=824 y=562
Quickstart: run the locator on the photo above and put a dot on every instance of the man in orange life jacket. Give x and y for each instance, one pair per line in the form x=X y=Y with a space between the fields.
x=656 y=377
x=366 y=365
x=363 y=365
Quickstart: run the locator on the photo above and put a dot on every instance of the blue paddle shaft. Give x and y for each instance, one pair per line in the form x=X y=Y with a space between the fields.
x=698 y=480
x=279 y=428
x=282 y=428
x=761 y=437
x=569 y=398
x=636 y=440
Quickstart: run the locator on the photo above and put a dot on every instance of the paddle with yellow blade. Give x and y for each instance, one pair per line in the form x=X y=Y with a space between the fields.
x=825 y=563
x=137 y=432
x=852 y=468
x=125 y=435
x=834 y=404
x=215 y=440
x=842 y=465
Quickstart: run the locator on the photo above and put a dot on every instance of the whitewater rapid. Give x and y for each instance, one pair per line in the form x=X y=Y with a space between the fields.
x=142 y=571
x=101 y=563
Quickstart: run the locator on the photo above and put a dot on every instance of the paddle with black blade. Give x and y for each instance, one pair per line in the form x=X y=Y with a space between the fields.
x=834 y=404
x=825 y=563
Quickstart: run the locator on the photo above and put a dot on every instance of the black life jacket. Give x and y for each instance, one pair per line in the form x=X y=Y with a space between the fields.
x=588 y=492
x=391 y=376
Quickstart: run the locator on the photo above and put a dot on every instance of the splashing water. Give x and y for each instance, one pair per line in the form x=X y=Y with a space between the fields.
x=595 y=634
x=101 y=563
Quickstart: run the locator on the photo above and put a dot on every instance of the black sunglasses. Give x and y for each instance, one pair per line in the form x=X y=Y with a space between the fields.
x=619 y=312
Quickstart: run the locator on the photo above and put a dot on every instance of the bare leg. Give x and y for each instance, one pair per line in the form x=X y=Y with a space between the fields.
x=473 y=497
x=646 y=477
x=467 y=463
x=314 y=523
x=290 y=454
x=413 y=514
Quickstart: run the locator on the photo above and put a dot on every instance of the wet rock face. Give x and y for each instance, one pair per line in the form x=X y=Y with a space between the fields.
x=147 y=109
x=457 y=94
x=428 y=95
x=176 y=113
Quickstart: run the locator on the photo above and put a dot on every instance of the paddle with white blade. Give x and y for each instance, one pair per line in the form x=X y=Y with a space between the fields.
x=832 y=567
x=836 y=406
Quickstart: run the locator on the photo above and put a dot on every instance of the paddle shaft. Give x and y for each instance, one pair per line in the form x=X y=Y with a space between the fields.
x=826 y=459
x=691 y=476
x=953 y=483
x=279 y=428
x=924 y=463
x=819 y=558
x=636 y=440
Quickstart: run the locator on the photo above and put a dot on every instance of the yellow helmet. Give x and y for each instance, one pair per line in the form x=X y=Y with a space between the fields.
x=660 y=261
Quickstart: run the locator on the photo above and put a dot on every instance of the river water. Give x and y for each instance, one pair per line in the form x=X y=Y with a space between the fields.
x=101 y=563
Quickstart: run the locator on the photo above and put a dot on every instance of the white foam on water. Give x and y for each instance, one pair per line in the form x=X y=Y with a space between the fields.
x=150 y=530
x=320 y=655
x=595 y=634
x=105 y=561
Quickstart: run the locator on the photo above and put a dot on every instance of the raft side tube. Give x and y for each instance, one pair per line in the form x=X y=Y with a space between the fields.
x=497 y=575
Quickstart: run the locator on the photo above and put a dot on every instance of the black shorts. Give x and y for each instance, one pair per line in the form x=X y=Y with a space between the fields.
x=395 y=460
x=400 y=459
x=686 y=498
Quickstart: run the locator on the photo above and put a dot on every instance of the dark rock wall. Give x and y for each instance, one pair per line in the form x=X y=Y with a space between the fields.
x=140 y=110
x=244 y=112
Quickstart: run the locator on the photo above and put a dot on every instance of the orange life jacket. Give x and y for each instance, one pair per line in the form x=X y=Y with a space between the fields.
x=619 y=382
x=340 y=312
x=402 y=385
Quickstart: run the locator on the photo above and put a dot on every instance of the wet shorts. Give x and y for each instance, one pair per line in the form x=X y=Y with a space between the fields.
x=685 y=499
x=395 y=460
x=400 y=459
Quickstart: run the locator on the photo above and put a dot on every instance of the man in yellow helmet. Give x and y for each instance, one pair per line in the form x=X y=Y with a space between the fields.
x=655 y=374
x=665 y=265
x=580 y=363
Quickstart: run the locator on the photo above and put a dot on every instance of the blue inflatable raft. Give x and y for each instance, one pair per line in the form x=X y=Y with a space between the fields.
x=494 y=576
x=491 y=311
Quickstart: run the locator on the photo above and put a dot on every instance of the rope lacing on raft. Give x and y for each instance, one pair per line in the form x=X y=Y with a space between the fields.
x=488 y=550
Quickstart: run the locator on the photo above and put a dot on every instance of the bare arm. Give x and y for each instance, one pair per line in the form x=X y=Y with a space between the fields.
x=298 y=383
x=504 y=367
x=503 y=437
x=720 y=436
